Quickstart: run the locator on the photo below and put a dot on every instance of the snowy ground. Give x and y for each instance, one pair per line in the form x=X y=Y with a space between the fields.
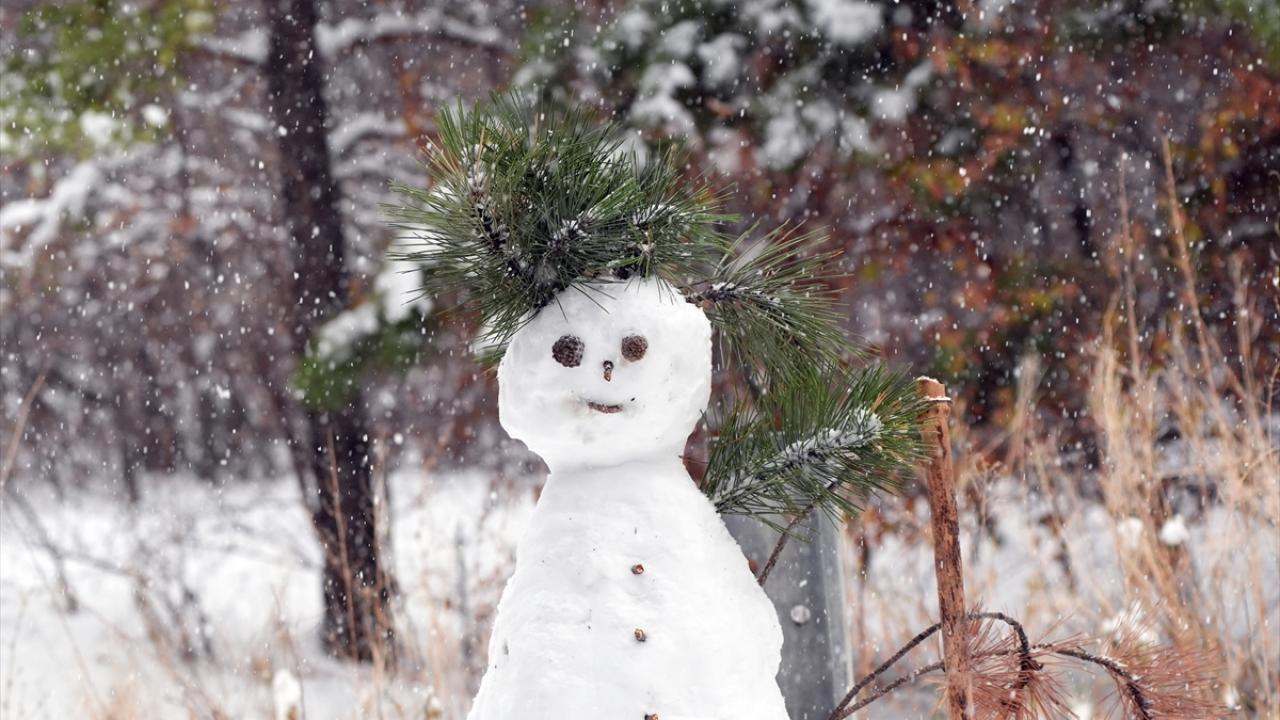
x=237 y=569
x=245 y=554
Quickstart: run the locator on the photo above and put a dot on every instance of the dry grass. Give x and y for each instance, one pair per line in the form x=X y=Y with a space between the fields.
x=1187 y=486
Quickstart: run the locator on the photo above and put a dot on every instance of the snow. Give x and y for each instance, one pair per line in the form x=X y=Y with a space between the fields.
x=629 y=598
x=1129 y=531
x=656 y=104
x=633 y=26
x=334 y=39
x=1174 y=531
x=679 y=40
x=847 y=22
x=286 y=693
x=246 y=552
x=896 y=104
x=364 y=125
x=44 y=216
x=338 y=337
x=397 y=294
x=822 y=447
x=100 y=128
x=721 y=60
x=154 y=115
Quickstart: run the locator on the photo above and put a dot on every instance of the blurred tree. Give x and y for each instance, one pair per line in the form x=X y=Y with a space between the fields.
x=105 y=64
x=357 y=619
x=965 y=157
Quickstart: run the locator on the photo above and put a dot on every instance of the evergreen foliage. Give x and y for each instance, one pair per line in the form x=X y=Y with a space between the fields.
x=824 y=441
x=529 y=200
x=105 y=59
x=331 y=382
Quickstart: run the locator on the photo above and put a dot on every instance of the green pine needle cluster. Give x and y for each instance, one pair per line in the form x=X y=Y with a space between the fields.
x=528 y=201
x=774 y=314
x=824 y=441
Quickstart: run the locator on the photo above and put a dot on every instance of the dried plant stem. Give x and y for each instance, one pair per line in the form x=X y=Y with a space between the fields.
x=881 y=692
x=19 y=426
x=1127 y=682
x=844 y=709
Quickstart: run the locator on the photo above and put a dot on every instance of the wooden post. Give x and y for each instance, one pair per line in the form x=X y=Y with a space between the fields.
x=945 y=521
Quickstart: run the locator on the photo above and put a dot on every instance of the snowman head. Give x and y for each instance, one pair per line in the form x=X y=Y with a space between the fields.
x=607 y=373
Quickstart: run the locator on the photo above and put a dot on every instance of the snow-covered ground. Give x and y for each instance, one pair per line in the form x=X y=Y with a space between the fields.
x=236 y=568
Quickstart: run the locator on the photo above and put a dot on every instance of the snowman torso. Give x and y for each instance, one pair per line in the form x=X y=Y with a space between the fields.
x=629 y=597
x=634 y=548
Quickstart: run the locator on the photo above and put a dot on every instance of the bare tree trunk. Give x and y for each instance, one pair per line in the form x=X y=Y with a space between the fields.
x=356 y=591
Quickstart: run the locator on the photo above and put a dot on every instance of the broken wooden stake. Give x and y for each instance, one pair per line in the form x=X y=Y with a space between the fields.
x=945 y=521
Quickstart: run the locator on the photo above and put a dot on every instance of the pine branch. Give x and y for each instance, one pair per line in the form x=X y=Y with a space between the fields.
x=821 y=442
x=775 y=314
x=528 y=200
x=1151 y=680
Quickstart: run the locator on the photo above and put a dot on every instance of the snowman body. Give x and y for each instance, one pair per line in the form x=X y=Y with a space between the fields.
x=630 y=599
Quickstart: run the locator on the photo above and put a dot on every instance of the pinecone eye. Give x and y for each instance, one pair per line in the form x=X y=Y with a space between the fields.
x=634 y=347
x=568 y=351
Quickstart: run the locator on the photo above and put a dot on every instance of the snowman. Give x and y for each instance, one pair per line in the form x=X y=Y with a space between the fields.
x=590 y=270
x=629 y=598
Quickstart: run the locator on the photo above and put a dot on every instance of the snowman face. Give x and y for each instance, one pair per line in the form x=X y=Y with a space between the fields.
x=606 y=374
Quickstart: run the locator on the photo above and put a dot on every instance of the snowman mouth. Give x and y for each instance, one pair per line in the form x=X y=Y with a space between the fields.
x=603 y=407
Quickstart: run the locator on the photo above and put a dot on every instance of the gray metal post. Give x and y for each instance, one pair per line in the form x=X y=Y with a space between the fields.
x=807 y=589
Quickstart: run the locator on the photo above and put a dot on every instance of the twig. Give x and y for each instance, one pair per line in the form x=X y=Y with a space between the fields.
x=909 y=677
x=782 y=543
x=1024 y=652
x=19 y=426
x=1129 y=683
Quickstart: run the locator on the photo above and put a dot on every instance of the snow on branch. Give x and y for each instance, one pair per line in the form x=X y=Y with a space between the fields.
x=43 y=217
x=821 y=450
x=335 y=39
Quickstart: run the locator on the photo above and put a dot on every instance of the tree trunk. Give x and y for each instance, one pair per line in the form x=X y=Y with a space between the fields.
x=357 y=621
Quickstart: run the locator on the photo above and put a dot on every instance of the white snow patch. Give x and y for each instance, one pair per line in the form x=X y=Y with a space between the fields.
x=721 y=61
x=365 y=125
x=100 y=128
x=336 y=339
x=44 y=216
x=656 y=104
x=1174 y=531
x=154 y=115
x=894 y=105
x=247 y=553
x=1130 y=531
x=679 y=40
x=286 y=695
x=633 y=26
x=847 y=22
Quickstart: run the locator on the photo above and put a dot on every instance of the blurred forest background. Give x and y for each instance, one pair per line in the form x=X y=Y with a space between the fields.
x=1049 y=205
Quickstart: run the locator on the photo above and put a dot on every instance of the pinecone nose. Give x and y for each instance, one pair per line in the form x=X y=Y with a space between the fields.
x=608 y=370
